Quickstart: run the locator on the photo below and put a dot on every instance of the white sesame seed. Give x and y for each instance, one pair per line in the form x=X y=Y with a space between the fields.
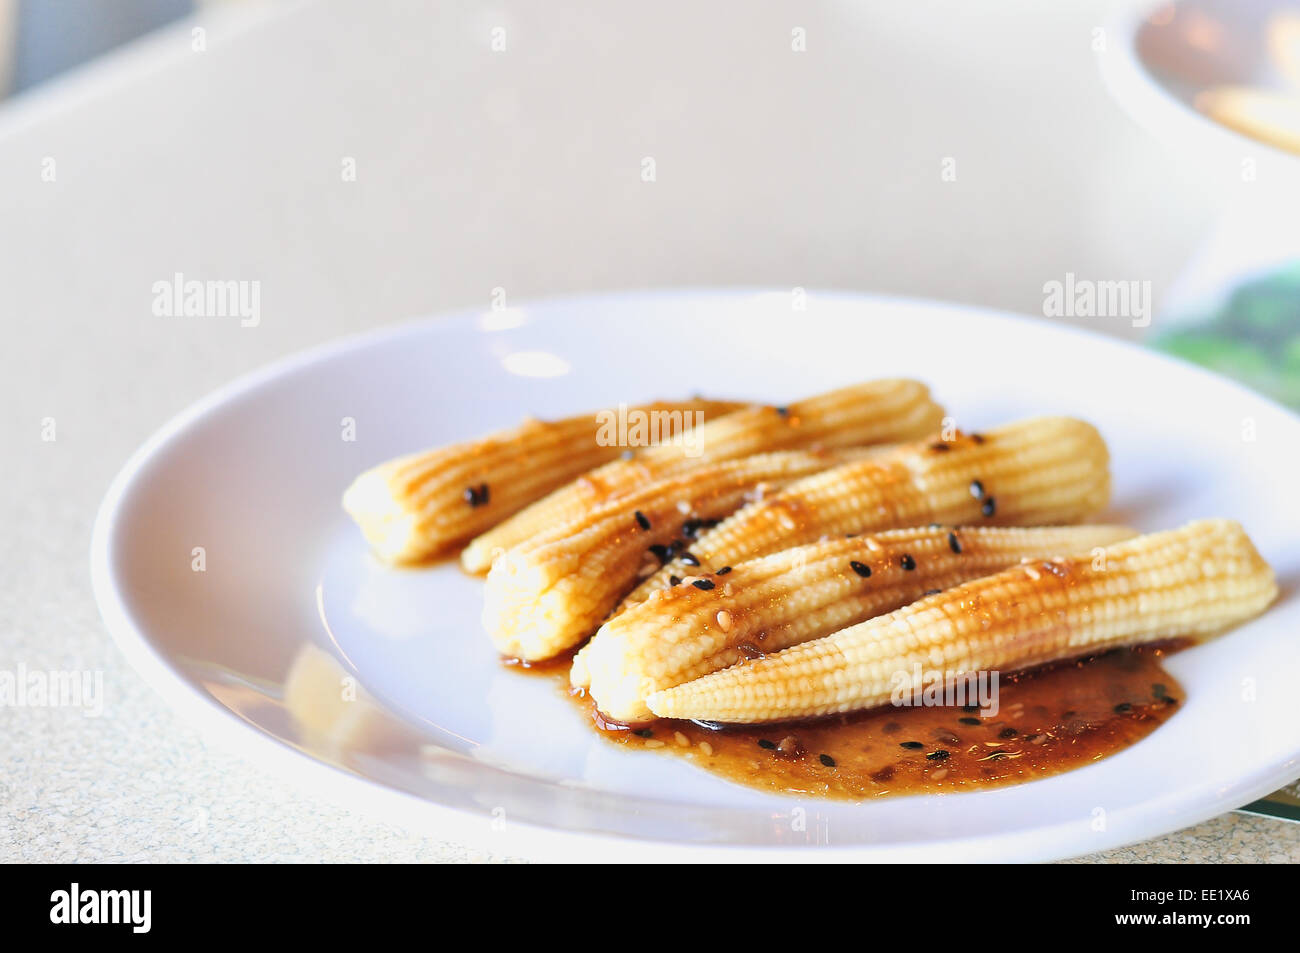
x=681 y=739
x=706 y=748
x=724 y=620
x=654 y=743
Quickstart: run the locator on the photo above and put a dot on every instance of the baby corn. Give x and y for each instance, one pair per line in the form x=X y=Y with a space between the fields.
x=875 y=412
x=1042 y=471
x=794 y=596
x=550 y=593
x=1197 y=580
x=416 y=505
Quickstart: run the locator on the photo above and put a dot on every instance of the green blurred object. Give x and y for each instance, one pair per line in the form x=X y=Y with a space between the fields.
x=1254 y=336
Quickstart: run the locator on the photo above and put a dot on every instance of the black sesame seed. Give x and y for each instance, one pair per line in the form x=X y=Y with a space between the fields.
x=940 y=447
x=689 y=559
x=911 y=745
x=1008 y=733
x=977 y=438
x=674 y=580
x=705 y=584
x=969 y=721
x=641 y=520
x=862 y=569
x=1159 y=690
x=477 y=495
x=723 y=571
x=783 y=411
x=939 y=755
x=764 y=743
x=644 y=733
x=977 y=489
x=907 y=562
x=954 y=543
x=990 y=507
x=1123 y=707
x=826 y=760
x=690 y=528
x=970 y=707
x=931 y=592
x=1170 y=700
x=663 y=553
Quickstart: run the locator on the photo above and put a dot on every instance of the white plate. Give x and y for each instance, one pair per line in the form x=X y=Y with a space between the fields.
x=253 y=475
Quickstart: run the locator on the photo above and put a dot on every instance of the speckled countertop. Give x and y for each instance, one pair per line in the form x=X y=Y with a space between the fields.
x=225 y=161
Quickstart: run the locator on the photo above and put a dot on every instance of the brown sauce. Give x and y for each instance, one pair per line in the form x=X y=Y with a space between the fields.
x=1049 y=720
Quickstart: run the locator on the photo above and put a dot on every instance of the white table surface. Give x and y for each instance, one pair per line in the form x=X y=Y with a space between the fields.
x=478 y=170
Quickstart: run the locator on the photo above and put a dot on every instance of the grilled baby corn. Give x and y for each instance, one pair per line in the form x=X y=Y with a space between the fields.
x=1041 y=471
x=414 y=506
x=1197 y=580
x=875 y=412
x=550 y=593
x=768 y=604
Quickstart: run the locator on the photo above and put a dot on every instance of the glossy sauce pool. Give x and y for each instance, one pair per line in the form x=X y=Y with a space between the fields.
x=1049 y=720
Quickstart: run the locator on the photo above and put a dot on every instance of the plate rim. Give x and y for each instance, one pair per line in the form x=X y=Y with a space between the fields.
x=350 y=790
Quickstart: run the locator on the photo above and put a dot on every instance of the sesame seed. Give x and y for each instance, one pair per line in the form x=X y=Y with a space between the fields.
x=644 y=733
x=990 y=507
x=940 y=447
x=674 y=580
x=826 y=760
x=654 y=744
x=969 y=721
x=477 y=495
x=939 y=775
x=728 y=589
x=977 y=438
x=689 y=559
x=862 y=569
x=705 y=584
x=911 y=745
x=768 y=745
x=907 y=562
x=641 y=520
x=724 y=620
x=1008 y=733
x=723 y=571
x=940 y=755
x=977 y=489
x=1123 y=707
x=954 y=543
x=931 y=592
x=663 y=553
x=707 y=749
x=681 y=739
